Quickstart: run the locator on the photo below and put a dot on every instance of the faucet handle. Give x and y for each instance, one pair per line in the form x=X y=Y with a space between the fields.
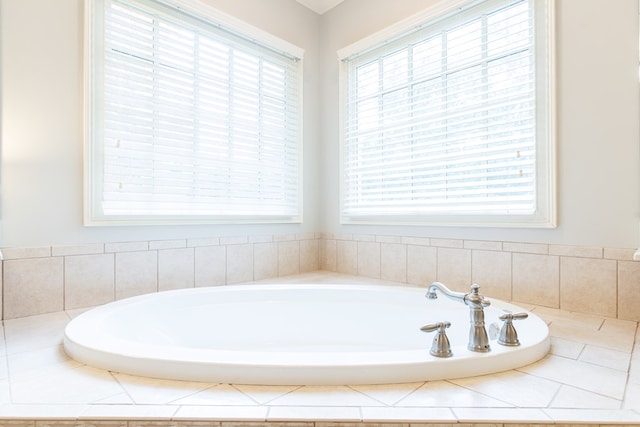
x=508 y=334
x=440 y=346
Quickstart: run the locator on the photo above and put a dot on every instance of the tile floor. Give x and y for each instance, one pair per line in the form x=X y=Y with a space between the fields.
x=591 y=376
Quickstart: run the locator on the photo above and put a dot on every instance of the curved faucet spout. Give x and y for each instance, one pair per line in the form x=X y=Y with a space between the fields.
x=437 y=286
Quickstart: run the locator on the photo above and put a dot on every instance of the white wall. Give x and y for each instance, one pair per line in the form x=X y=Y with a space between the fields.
x=42 y=119
x=41 y=106
x=598 y=122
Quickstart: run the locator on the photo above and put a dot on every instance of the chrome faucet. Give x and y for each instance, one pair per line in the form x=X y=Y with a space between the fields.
x=478 y=339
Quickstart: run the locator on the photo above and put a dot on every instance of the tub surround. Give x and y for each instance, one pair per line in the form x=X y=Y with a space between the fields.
x=590 y=377
x=593 y=280
x=299 y=334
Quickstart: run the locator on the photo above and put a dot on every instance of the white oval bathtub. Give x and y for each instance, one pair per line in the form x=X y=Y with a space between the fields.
x=293 y=335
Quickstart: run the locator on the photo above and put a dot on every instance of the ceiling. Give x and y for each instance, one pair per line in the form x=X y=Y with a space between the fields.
x=320 y=6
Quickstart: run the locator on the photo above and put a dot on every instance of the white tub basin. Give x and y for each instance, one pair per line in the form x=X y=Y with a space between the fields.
x=292 y=334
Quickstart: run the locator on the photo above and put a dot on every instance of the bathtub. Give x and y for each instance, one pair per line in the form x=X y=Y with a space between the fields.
x=300 y=334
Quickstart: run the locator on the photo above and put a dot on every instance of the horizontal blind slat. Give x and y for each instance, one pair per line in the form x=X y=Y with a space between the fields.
x=446 y=121
x=195 y=123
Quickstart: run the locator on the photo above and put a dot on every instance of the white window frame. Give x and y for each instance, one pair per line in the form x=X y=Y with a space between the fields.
x=544 y=215
x=93 y=145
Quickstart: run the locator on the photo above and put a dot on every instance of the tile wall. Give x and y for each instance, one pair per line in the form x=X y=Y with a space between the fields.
x=55 y=278
x=599 y=281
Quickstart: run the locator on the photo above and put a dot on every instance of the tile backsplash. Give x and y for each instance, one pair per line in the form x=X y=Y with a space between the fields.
x=49 y=279
x=599 y=281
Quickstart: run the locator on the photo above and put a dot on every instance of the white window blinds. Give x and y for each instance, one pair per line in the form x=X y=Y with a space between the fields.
x=447 y=123
x=191 y=120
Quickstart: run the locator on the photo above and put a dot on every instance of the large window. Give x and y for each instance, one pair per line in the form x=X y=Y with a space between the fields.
x=451 y=121
x=189 y=119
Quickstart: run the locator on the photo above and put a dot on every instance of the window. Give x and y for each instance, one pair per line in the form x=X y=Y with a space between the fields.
x=451 y=121
x=190 y=120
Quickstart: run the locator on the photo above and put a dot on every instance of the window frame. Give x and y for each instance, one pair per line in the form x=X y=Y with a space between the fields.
x=545 y=213
x=93 y=146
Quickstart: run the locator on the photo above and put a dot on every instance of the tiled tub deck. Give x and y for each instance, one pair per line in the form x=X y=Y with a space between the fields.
x=591 y=376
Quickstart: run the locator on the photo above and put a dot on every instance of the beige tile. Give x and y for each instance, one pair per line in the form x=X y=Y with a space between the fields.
x=285 y=237
x=328 y=251
x=577 y=320
x=500 y=415
x=263 y=394
x=4 y=368
x=618 y=334
x=288 y=258
x=167 y=244
x=485 y=245
x=421 y=264
x=209 y=412
x=203 y=241
x=574 y=331
x=38 y=412
x=314 y=413
x=267 y=238
x=629 y=290
x=219 y=394
x=126 y=247
x=393 y=260
x=176 y=268
x=389 y=239
x=576 y=251
x=492 y=271
x=619 y=254
x=239 y=263
x=435 y=417
x=443 y=393
x=632 y=397
x=364 y=237
x=39 y=362
x=583 y=417
x=606 y=381
x=154 y=391
x=33 y=286
x=572 y=397
x=389 y=394
x=634 y=370
x=234 y=240
x=606 y=357
x=566 y=348
x=536 y=279
x=20 y=253
x=5 y=392
x=513 y=387
x=136 y=273
x=265 y=260
x=454 y=268
x=127 y=412
x=346 y=257
x=447 y=243
x=588 y=286
x=369 y=264
x=34 y=332
x=89 y=280
x=94 y=248
x=210 y=266
x=324 y=396
x=526 y=248
x=65 y=386
x=309 y=255
x=416 y=241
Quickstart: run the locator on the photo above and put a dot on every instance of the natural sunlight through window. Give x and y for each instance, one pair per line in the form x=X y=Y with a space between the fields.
x=190 y=120
x=451 y=121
